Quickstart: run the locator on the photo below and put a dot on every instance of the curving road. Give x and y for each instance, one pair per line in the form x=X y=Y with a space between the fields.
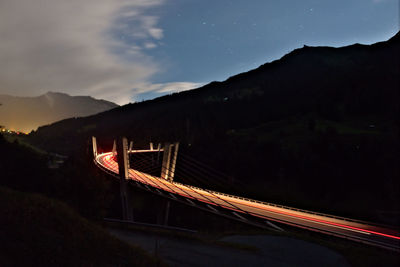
x=350 y=229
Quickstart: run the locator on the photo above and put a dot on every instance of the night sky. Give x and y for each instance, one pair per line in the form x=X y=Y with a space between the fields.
x=127 y=51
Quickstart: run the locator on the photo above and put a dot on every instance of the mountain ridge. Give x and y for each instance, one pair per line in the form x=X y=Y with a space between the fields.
x=269 y=75
x=317 y=129
x=27 y=113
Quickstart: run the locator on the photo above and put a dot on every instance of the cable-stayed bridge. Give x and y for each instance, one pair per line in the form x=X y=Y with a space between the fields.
x=155 y=169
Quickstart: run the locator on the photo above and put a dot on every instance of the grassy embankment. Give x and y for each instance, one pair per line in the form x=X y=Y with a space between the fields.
x=39 y=231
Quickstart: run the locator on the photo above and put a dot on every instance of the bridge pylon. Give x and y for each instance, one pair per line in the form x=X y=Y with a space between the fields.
x=130 y=145
x=114 y=148
x=94 y=145
x=153 y=148
x=169 y=161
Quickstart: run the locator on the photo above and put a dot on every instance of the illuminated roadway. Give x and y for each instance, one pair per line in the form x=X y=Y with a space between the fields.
x=342 y=227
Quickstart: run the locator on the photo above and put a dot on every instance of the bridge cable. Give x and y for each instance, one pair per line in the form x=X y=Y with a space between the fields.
x=196 y=192
x=210 y=192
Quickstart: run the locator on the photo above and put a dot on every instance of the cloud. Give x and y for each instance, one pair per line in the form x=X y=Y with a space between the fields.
x=70 y=46
x=156 y=33
x=150 y=45
x=174 y=87
x=157 y=89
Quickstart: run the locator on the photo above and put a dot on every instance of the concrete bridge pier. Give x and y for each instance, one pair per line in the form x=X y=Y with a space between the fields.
x=166 y=217
x=114 y=148
x=158 y=152
x=163 y=212
x=94 y=145
x=123 y=167
x=170 y=155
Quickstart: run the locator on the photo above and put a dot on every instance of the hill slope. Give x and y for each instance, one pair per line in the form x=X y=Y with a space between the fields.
x=28 y=113
x=333 y=83
x=38 y=231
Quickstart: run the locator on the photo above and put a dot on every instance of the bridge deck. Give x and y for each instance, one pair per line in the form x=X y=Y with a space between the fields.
x=351 y=229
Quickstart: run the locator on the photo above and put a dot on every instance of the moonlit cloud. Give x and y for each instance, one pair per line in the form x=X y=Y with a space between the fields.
x=166 y=88
x=150 y=45
x=174 y=87
x=69 y=46
x=156 y=33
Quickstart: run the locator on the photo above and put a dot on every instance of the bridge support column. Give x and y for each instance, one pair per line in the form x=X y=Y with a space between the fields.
x=163 y=212
x=165 y=161
x=94 y=145
x=123 y=167
x=130 y=145
x=114 y=149
x=169 y=161
x=167 y=212
x=158 y=152
x=173 y=162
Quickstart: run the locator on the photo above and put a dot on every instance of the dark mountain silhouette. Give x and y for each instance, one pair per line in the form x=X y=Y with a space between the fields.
x=27 y=113
x=333 y=83
x=317 y=129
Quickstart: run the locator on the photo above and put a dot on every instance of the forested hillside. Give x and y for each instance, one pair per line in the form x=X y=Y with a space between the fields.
x=317 y=129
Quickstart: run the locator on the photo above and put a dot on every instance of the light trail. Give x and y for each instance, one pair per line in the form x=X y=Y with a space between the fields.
x=349 y=228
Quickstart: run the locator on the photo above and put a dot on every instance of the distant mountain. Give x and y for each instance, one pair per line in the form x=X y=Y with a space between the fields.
x=27 y=113
x=316 y=129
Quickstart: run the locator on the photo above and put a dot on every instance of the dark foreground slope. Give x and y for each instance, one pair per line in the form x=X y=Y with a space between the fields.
x=76 y=182
x=316 y=129
x=38 y=231
x=41 y=223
